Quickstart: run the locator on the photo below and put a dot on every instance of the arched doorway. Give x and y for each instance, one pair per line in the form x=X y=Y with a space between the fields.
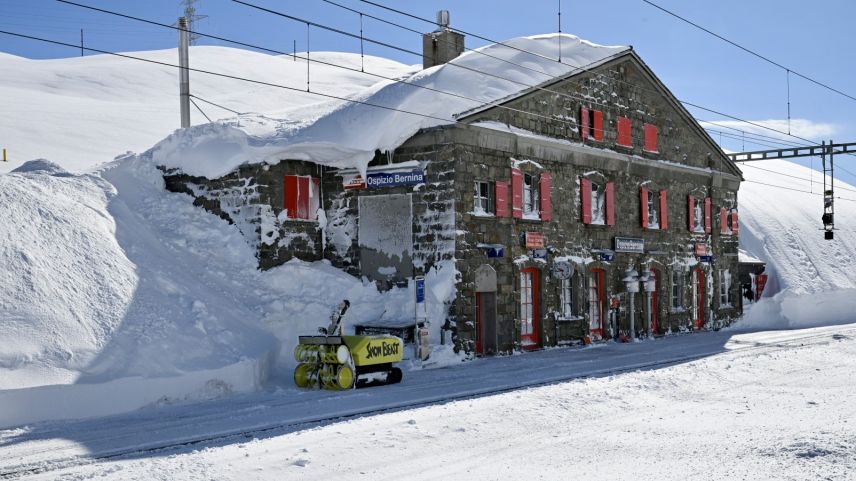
x=698 y=297
x=529 y=308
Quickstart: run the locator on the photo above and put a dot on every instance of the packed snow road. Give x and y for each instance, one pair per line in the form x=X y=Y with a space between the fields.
x=707 y=406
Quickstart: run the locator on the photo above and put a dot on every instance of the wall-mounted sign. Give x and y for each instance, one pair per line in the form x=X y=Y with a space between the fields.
x=353 y=181
x=496 y=252
x=630 y=244
x=702 y=249
x=708 y=259
x=606 y=256
x=538 y=254
x=534 y=240
x=379 y=180
x=420 y=290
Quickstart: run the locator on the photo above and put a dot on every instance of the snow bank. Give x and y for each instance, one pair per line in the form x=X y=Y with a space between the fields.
x=786 y=310
x=349 y=135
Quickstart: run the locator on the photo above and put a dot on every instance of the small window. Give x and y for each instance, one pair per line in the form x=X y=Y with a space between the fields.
x=677 y=290
x=530 y=196
x=653 y=210
x=598 y=204
x=729 y=221
x=566 y=296
x=698 y=215
x=724 y=288
x=483 y=198
x=301 y=197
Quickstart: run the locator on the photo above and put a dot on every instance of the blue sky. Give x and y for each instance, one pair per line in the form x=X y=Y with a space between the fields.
x=816 y=41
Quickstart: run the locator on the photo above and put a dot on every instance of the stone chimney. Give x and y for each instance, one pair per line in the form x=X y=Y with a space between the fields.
x=441 y=45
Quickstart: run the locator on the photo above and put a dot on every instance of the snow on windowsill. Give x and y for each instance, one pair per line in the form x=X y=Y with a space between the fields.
x=569 y=318
x=481 y=213
x=531 y=216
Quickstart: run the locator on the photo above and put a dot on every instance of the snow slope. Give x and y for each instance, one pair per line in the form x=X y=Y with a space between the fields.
x=812 y=281
x=83 y=111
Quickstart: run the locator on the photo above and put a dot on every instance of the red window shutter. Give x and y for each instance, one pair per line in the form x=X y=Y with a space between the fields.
x=610 y=203
x=690 y=212
x=723 y=221
x=643 y=200
x=650 y=138
x=302 y=197
x=664 y=211
x=625 y=127
x=290 y=196
x=707 y=223
x=585 y=199
x=734 y=226
x=502 y=199
x=584 y=123
x=545 y=185
x=516 y=193
x=598 y=124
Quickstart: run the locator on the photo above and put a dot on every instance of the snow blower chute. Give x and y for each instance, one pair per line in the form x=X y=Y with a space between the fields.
x=333 y=361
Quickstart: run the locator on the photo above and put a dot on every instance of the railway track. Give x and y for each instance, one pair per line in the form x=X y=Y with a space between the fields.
x=227 y=437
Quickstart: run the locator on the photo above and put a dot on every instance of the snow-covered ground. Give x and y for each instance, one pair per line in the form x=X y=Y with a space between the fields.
x=716 y=405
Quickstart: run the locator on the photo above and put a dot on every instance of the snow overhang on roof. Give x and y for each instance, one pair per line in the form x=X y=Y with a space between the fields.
x=390 y=112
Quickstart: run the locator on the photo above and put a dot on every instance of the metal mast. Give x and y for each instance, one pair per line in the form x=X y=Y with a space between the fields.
x=183 y=72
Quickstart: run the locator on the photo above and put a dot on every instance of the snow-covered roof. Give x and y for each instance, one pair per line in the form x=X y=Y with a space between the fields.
x=349 y=134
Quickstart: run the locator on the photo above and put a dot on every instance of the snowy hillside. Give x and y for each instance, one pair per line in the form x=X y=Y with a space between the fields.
x=812 y=280
x=82 y=111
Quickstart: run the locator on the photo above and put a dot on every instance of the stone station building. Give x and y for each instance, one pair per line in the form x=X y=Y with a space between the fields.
x=551 y=211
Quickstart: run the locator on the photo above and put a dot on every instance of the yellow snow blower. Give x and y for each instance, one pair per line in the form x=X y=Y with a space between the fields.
x=336 y=362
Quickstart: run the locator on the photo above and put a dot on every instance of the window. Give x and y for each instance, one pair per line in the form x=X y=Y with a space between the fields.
x=598 y=204
x=650 y=132
x=625 y=128
x=527 y=303
x=677 y=290
x=591 y=124
x=696 y=214
x=483 y=198
x=566 y=298
x=651 y=204
x=530 y=196
x=724 y=288
x=301 y=197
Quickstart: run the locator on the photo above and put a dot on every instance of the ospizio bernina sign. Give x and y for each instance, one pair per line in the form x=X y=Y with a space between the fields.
x=379 y=180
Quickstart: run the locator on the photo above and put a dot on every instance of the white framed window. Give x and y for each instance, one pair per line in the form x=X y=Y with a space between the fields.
x=698 y=215
x=653 y=210
x=527 y=303
x=483 y=198
x=677 y=297
x=598 y=203
x=530 y=195
x=725 y=288
x=566 y=298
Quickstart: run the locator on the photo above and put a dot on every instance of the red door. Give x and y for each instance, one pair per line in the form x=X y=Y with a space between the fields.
x=529 y=294
x=698 y=298
x=655 y=316
x=596 y=303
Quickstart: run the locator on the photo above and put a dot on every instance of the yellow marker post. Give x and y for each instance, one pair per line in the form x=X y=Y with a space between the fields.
x=4 y=155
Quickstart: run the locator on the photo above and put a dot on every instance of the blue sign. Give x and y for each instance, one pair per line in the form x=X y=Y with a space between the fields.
x=606 y=257
x=496 y=252
x=379 y=180
x=708 y=259
x=539 y=254
x=420 y=290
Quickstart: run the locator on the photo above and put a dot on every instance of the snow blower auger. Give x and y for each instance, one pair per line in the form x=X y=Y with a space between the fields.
x=336 y=362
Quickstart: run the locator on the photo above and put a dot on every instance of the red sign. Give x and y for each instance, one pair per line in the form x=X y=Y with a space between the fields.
x=534 y=240
x=701 y=249
x=760 y=283
x=355 y=181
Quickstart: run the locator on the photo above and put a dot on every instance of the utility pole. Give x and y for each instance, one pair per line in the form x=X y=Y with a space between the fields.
x=183 y=72
x=81 y=42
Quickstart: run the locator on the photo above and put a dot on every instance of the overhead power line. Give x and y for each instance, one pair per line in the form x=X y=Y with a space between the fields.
x=752 y=52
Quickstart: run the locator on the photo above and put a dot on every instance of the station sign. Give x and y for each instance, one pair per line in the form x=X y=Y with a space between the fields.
x=630 y=244
x=380 y=180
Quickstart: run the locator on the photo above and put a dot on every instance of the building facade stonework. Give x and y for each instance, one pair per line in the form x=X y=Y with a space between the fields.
x=544 y=207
